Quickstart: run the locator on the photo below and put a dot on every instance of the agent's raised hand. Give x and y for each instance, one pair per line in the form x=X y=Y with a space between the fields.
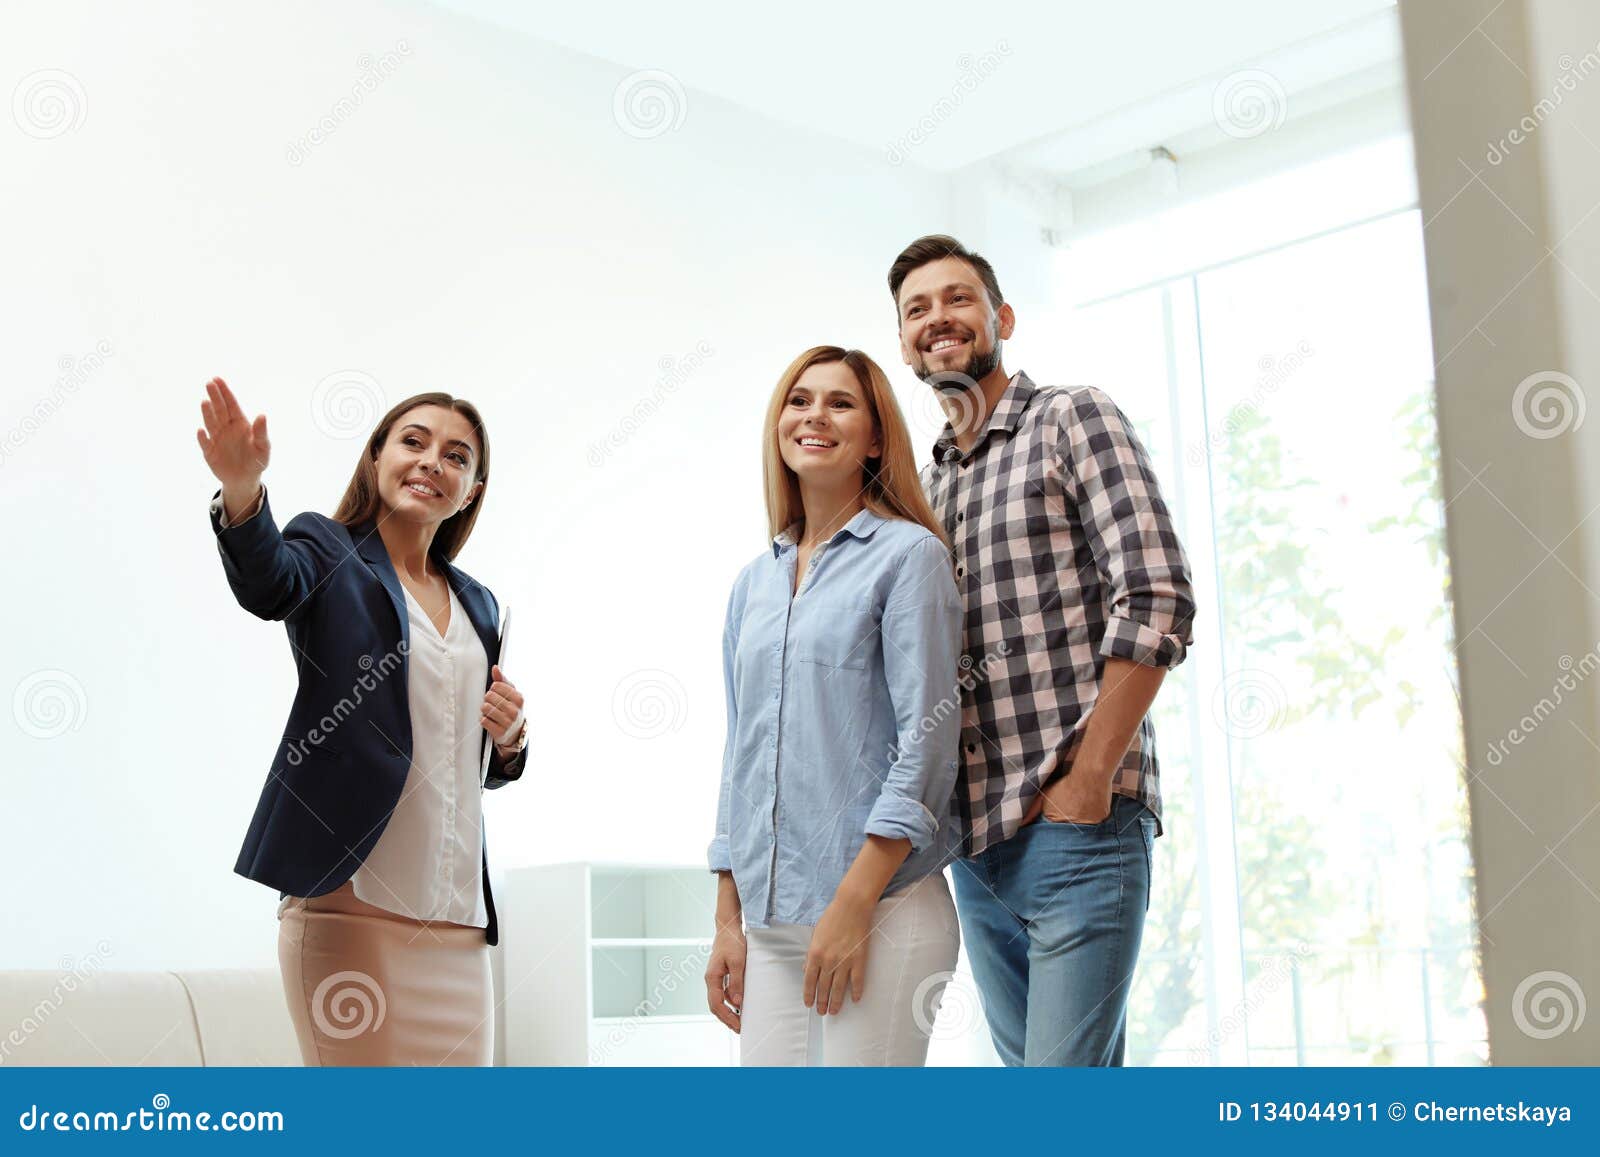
x=235 y=449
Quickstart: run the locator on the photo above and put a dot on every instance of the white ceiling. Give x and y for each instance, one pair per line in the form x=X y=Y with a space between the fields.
x=868 y=73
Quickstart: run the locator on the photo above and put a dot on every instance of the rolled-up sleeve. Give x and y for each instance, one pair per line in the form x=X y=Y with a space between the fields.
x=921 y=626
x=1130 y=533
x=719 y=854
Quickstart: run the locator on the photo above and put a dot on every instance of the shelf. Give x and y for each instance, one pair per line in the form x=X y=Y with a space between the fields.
x=647 y=980
x=671 y=905
x=673 y=1041
x=619 y=951
x=651 y=942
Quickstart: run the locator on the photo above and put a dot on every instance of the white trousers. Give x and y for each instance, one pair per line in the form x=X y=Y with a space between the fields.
x=912 y=952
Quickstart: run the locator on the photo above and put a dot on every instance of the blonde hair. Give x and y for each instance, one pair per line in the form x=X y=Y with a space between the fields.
x=891 y=488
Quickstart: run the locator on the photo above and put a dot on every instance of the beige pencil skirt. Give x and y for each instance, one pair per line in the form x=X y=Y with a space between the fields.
x=367 y=986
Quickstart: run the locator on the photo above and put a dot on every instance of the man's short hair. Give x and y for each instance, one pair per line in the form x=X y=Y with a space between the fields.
x=936 y=247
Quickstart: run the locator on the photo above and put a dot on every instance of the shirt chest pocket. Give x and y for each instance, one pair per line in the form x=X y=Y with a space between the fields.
x=829 y=699
x=841 y=637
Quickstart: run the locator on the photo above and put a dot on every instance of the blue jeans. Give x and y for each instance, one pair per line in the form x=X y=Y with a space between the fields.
x=1052 y=920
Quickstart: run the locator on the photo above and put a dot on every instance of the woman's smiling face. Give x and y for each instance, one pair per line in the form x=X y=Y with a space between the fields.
x=428 y=466
x=825 y=429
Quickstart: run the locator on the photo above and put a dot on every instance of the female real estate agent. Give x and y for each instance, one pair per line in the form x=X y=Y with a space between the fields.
x=370 y=823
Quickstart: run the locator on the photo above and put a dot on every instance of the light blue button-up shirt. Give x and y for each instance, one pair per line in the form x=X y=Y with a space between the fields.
x=844 y=715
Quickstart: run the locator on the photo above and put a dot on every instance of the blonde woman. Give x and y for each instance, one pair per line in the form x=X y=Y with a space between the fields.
x=835 y=929
x=370 y=823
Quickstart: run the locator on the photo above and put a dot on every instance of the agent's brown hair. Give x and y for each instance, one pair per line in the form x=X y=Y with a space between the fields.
x=361 y=503
x=890 y=488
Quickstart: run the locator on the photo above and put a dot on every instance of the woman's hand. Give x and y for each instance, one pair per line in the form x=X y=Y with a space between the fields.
x=725 y=969
x=725 y=974
x=837 y=959
x=235 y=448
x=502 y=704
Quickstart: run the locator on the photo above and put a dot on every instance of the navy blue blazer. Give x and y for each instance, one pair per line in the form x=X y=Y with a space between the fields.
x=341 y=765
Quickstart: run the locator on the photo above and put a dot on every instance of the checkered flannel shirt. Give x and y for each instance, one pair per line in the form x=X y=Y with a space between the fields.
x=1065 y=555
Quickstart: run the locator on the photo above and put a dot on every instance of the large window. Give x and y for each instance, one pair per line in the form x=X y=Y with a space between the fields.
x=1313 y=899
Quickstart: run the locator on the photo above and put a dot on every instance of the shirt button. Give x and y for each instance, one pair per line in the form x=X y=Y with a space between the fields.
x=959 y=572
x=960 y=517
x=971 y=748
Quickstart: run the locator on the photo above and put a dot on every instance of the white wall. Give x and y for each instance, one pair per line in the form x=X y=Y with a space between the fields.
x=479 y=223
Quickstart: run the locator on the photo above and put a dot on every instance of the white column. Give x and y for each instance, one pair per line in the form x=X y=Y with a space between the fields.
x=1513 y=253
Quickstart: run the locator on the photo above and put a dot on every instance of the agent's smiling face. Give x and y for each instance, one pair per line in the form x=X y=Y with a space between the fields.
x=826 y=430
x=427 y=468
x=948 y=325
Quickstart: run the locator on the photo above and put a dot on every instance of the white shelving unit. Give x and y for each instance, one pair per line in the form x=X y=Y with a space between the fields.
x=604 y=965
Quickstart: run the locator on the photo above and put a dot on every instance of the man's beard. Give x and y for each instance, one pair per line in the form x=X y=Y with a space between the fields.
x=967 y=377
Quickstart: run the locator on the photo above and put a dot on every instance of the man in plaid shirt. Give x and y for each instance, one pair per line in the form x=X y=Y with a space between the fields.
x=1078 y=599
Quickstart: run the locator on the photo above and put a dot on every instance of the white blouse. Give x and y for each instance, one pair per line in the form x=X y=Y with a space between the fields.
x=428 y=863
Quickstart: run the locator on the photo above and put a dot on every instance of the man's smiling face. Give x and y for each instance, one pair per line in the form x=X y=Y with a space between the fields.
x=948 y=325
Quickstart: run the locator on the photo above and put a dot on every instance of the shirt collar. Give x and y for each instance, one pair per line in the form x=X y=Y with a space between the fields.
x=862 y=526
x=1005 y=415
